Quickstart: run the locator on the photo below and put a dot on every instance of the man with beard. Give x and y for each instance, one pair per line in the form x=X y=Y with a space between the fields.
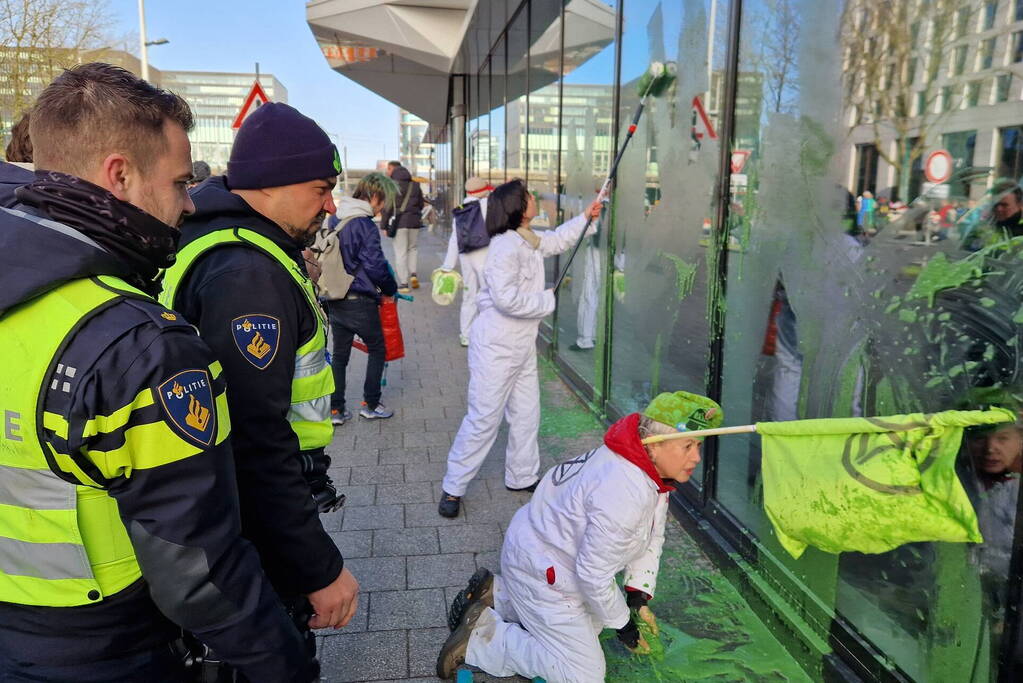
x=241 y=279
x=119 y=519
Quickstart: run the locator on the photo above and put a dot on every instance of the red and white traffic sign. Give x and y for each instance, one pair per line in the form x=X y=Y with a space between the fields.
x=938 y=166
x=739 y=159
x=253 y=101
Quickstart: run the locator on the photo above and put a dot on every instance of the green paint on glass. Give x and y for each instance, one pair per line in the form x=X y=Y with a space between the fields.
x=655 y=365
x=940 y=274
x=685 y=275
x=987 y=302
x=907 y=315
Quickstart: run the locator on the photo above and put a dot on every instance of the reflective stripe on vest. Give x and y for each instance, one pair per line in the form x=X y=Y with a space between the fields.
x=313 y=382
x=61 y=545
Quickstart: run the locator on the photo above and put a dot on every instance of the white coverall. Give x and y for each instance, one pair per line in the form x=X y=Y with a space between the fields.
x=472 y=271
x=590 y=518
x=503 y=379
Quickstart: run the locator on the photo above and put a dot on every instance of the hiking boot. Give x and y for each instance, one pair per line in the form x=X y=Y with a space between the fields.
x=378 y=413
x=449 y=505
x=479 y=589
x=530 y=488
x=339 y=417
x=403 y=288
x=452 y=655
x=414 y=281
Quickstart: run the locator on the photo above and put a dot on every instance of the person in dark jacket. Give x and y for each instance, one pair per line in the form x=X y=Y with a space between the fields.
x=19 y=151
x=240 y=278
x=408 y=212
x=133 y=410
x=358 y=313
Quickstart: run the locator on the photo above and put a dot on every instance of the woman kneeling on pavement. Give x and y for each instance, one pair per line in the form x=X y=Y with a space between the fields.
x=590 y=518
x=503 y=378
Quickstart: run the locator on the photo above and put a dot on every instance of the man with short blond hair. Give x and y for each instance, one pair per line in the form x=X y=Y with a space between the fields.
x=117 y=483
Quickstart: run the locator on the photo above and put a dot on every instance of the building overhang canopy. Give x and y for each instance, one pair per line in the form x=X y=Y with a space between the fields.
x=406 y=50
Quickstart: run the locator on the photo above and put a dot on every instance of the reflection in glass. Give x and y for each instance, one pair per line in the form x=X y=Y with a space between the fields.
x=586 y=114
x=663 y=267
x=871 y=273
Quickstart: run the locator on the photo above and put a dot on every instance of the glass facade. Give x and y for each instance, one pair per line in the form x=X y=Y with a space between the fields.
x=779 y=239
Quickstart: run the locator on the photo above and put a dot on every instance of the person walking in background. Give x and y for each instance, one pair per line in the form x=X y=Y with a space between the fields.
x=407 y=214
x=468 y=232
x=200 y=172
x=503 y=378
x=356 y=310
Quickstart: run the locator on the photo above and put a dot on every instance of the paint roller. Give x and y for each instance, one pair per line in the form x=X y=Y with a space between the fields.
x=653 y=83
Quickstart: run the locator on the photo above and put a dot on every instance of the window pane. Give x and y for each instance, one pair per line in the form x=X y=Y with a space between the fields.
x=822 y=313
x=586 y=144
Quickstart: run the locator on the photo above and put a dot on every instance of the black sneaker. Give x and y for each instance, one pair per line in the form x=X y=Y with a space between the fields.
x=449 y=505
x=479 y=589
x=530 y=488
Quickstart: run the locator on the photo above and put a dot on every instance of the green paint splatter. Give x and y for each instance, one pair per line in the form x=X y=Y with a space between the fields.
x=987 y=302
x=561 y=414
x=940 y=274
x=707 y=632
x=655 y=365
x=685 y=275
x=907 y=315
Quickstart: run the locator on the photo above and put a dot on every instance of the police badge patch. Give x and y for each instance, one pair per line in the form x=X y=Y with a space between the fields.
x=257 y=336
x=187 y=398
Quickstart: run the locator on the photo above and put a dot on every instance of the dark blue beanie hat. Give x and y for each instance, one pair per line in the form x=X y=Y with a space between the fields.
x=277 y=145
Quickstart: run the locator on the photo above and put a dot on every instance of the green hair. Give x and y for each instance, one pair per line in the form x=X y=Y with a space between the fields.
x=377 y=184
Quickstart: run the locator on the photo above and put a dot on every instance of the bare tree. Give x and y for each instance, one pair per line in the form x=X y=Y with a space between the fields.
x=38 y=38
x=775 y=53
x=902 y=72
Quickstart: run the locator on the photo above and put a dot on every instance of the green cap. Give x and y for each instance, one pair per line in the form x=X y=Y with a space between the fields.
x=684 y=411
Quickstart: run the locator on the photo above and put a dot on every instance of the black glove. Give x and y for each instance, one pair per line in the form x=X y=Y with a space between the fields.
x=636 y=599
x=629 y=634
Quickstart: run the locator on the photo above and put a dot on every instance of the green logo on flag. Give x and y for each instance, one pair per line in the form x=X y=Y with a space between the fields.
x=337 y=161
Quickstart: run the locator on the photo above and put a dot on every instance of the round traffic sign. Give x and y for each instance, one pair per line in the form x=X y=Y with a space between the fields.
x=938 y=166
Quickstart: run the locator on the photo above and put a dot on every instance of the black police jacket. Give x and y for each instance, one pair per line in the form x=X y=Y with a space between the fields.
x=278 y=512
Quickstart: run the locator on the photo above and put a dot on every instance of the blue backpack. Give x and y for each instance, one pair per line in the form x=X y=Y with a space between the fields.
x=471 y=227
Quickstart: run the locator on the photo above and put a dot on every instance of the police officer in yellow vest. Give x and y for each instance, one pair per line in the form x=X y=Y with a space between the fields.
x=241 y=279
x=119 y=519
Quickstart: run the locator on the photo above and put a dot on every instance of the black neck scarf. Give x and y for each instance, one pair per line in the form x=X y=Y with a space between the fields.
x=144 y=244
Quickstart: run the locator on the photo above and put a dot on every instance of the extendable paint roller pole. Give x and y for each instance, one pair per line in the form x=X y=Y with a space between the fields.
x=654 y=82
x=699 y=433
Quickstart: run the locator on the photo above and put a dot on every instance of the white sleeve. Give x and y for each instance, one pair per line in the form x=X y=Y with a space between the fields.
x=564 y=237
x=641 y=573
x=501 y=274
x=452 y=255
x=609 y=528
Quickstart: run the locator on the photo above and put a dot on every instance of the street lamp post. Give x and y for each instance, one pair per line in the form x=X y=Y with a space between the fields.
x=142 y=40
x=143 y=43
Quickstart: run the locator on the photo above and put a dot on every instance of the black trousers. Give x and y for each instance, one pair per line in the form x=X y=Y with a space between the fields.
x=350 y=317
x=161 y=665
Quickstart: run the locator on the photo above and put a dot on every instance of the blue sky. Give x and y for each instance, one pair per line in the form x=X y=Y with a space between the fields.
x=232 y=35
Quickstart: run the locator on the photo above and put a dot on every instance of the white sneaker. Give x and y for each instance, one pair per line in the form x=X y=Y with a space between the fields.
x=378 y=413
x=339 y=418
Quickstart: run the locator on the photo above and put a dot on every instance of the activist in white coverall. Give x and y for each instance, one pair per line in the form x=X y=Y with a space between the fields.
x=503 y=378
x=590 y=518
x=471 y=262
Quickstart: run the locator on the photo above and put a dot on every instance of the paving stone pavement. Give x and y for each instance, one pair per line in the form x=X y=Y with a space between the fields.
x=409 y=561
